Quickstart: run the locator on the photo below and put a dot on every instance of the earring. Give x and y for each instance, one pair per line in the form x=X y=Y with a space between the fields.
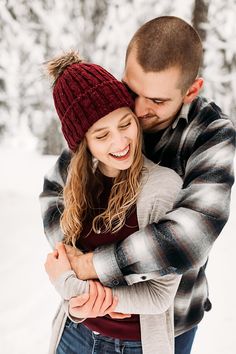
x=95 y=164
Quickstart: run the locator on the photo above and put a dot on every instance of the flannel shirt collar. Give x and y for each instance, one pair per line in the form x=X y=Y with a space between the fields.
x=183 y=114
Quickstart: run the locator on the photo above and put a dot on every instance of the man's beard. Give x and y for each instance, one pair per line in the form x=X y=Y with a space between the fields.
x=148 y=122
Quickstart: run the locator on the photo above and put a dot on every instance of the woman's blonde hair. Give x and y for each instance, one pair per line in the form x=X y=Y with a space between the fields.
x=79 y=196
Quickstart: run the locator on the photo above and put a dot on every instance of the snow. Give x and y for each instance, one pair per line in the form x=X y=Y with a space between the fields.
x=28 y=301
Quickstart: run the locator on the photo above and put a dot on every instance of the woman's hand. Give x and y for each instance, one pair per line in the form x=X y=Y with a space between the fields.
x=99 y=300
x=57 y=262
x=97 y=303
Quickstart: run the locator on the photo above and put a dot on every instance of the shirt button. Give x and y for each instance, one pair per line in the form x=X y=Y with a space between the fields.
x=143 y=277
x=115 y=282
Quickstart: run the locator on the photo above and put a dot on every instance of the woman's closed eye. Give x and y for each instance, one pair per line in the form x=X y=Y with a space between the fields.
x=126 y=125
x=102 y=136
x=122 y=127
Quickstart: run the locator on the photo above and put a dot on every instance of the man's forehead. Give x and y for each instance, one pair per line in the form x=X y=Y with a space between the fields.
x=152 y=84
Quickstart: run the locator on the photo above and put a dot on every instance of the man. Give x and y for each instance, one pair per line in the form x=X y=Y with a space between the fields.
x=186 y=133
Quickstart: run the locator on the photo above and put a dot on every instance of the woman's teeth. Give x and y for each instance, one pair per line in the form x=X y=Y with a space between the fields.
x=121 y=153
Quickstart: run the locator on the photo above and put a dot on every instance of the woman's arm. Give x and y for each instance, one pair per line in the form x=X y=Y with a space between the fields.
x=62 y=276
x=92 y=298
x=68 y=285
x=155 y=295
x=150 y=297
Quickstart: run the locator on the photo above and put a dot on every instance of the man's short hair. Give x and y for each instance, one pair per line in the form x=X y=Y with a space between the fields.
x=166 y=42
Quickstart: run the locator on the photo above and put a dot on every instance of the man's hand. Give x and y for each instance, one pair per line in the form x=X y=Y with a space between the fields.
x=73 y=252
x=99 y=303
x=57 y=262
x=82 y=264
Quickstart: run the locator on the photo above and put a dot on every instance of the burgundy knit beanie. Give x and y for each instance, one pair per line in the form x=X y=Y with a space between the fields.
x=83 y=93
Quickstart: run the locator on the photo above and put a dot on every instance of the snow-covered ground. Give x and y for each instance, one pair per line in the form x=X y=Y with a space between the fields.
x=27 y=299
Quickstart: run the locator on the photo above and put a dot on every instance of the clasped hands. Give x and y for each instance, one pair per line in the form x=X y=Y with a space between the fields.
x=99 y=301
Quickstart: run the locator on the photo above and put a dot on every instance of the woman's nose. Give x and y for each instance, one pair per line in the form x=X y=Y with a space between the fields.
x=120 y=141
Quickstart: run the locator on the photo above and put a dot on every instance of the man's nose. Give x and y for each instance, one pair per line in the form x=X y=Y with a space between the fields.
x=142 y=107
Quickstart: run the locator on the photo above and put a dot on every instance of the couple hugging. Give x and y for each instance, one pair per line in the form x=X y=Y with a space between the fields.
x=134 y=205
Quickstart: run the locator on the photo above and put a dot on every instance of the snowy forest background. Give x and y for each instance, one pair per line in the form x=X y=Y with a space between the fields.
x=32 y=32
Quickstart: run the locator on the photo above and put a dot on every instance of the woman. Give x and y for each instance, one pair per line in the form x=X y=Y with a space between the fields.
x=111 y=190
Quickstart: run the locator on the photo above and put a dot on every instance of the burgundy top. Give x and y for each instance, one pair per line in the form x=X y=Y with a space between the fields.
x=129 y=328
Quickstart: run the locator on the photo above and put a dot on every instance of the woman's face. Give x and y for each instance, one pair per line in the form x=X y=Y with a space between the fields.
x=112 y=141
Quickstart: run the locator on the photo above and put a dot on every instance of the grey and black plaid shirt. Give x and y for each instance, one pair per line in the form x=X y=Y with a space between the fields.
x=200 y=147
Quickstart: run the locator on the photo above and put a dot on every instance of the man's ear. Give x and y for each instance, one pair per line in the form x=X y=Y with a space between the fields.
x=193 y=91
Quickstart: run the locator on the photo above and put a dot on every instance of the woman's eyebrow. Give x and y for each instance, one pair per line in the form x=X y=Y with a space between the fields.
x=126 y=115
x=98 y=130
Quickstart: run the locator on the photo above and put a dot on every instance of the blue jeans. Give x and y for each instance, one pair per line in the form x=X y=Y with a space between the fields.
x=77 y=338
x=184 y=342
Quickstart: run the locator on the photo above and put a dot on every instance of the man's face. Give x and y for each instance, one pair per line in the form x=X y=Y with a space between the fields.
x=158 y=98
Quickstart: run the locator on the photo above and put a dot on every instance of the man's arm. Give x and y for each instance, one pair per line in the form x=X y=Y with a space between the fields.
x=51 y=200
x=183 y=238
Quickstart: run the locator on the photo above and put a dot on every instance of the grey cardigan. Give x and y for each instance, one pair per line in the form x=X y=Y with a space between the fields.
x=153 y=298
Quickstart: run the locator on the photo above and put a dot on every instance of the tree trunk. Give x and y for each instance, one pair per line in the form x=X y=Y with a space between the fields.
x=200 y=17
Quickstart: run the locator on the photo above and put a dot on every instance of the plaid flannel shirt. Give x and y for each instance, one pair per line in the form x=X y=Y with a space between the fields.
x=200 y=147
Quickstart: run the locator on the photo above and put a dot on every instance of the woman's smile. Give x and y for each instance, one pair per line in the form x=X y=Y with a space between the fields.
x=122 y=154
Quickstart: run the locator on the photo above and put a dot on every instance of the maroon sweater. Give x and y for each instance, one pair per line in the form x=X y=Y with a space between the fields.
x=129 y=328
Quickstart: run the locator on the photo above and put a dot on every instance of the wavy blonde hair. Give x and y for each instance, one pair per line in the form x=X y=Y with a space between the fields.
x=79 y=197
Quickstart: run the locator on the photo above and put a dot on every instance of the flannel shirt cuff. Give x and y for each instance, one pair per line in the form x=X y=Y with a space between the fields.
x=106 y=266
